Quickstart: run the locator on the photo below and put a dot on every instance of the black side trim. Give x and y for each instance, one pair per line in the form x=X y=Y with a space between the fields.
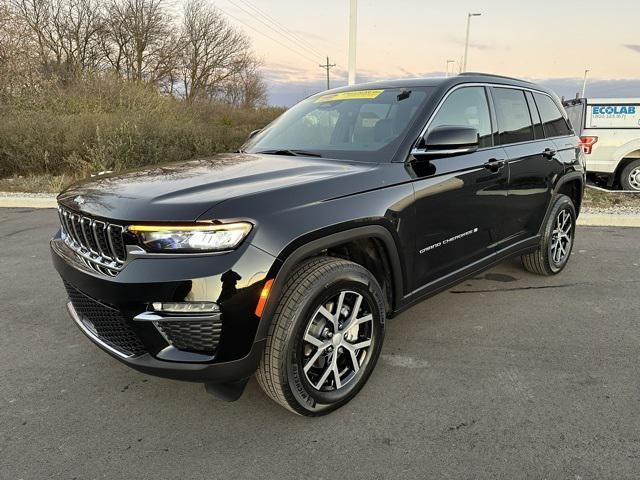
x=453 y=278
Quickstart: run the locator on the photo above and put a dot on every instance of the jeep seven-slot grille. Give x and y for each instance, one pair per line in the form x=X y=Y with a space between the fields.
x=106 y=323
x=99 y=244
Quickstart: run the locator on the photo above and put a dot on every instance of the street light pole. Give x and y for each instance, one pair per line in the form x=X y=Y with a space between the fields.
x=449 y=62
x=466 y=42
x=584 y=84
x=353 y=26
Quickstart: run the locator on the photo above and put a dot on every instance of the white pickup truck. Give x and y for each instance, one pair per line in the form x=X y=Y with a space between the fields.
x=609 y=129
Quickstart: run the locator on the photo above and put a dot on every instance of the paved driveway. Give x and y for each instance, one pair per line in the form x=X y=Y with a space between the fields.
x=507 y=375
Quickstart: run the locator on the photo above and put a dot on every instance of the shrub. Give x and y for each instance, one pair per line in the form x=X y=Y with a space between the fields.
x=103 y=123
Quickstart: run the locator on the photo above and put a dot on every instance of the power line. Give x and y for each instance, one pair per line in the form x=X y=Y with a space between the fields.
x=266 y=35
x=279 y=25
x=293 y=41
x=328 y=67
x=281 y=29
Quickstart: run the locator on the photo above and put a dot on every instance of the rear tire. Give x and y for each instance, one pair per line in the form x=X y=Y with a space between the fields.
x=630 y=177
x=325 y=336
x=554 y=250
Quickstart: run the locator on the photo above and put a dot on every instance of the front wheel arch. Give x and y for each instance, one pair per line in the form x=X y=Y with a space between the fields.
x=317 y=243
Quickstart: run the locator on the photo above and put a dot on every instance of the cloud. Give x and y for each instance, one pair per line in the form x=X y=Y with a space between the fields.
x=601 y=88
x=477 y=46
x=286 y=89
x=635 y=48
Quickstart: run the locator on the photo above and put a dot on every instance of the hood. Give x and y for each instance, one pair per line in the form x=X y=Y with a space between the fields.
x=185 y=190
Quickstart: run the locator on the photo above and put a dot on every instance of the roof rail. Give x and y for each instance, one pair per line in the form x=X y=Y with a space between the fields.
x=493 y=75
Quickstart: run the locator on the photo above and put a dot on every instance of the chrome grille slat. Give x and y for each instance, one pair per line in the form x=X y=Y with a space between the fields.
x=67 y=223
x=75 y=226
x=87 y=234
x=100 y=229
x=97 y=243
x=115 y=242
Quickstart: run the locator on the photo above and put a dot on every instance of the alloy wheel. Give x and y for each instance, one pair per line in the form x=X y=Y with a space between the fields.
x=336 y=341
x=634 y=178
x=561 y=237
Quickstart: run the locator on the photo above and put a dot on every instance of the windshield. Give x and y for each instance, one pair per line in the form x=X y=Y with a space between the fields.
x=365 y=125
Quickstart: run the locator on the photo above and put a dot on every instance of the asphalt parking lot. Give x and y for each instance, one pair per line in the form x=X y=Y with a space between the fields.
x=506 y=375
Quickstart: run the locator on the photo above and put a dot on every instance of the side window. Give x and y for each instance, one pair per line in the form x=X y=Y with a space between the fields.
x=553 y=121
x=467 y=107
x=535 y=116
x=514 y=120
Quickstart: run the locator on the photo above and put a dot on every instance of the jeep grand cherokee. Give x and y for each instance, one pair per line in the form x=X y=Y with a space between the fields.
x=286 y=258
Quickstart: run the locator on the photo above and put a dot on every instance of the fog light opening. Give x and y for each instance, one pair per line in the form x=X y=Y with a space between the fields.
x=186 y=307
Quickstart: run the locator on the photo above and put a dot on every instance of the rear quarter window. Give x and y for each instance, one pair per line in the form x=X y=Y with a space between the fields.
x=553 y=121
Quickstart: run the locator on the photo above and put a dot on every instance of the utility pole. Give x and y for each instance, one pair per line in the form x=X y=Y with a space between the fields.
x=449 y=62
x=466 y=42
x=328 y=67
x=584 y=84
x=353 y=27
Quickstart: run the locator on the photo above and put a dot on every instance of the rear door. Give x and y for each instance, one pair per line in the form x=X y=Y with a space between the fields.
x=458 y=199
x=556 y=127
x=533 y=163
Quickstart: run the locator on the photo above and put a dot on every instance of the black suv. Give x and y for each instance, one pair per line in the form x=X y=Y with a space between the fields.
x=287 y=257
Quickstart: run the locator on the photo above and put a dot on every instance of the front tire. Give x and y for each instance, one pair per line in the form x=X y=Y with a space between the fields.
x=556 y=244
x=630 y=177
x=325 y=336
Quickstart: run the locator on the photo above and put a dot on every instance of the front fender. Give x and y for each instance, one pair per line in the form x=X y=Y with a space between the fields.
x=317 y=241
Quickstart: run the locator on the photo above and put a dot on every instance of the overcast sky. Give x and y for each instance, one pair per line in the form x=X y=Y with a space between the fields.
x=551 y=41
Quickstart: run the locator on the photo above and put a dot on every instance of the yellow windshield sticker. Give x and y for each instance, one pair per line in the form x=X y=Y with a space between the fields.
x=352 y=95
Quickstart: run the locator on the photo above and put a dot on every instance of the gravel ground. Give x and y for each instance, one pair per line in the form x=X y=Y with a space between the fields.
x=27 y=195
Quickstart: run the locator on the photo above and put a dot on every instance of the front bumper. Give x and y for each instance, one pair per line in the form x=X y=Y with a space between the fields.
x=233 y=280
x=221 y=372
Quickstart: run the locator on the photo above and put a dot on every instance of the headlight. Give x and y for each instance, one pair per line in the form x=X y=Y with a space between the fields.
x=193 y=238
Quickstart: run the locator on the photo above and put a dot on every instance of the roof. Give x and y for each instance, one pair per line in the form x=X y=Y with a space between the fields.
x=467 y=77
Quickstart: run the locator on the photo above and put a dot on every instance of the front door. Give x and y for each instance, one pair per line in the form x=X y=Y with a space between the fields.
x=459 y=199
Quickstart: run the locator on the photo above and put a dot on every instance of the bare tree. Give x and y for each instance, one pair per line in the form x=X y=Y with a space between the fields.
x=246 y=88
x=201 y=55
x=141 y=40
x=212 y=50
x=18 y=62
x=66 y=33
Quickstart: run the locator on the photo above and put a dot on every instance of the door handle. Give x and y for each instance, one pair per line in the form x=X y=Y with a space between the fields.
x=494 y=164
x=549 y=153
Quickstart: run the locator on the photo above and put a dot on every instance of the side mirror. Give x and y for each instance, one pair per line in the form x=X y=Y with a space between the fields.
x=254 y=133
x=447 y=141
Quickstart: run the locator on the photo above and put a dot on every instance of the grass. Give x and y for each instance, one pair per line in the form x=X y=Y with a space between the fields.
x=36 y=183
x=603 y=200
x=67 y=132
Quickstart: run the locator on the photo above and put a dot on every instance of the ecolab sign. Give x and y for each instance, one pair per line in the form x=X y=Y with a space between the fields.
x=614 y=109
x=613 y=116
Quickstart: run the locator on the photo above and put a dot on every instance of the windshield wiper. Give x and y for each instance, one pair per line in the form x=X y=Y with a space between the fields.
x=293 y=153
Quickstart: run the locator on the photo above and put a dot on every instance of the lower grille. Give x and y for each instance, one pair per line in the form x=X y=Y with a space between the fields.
x=106 y=323
x=190 y=335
